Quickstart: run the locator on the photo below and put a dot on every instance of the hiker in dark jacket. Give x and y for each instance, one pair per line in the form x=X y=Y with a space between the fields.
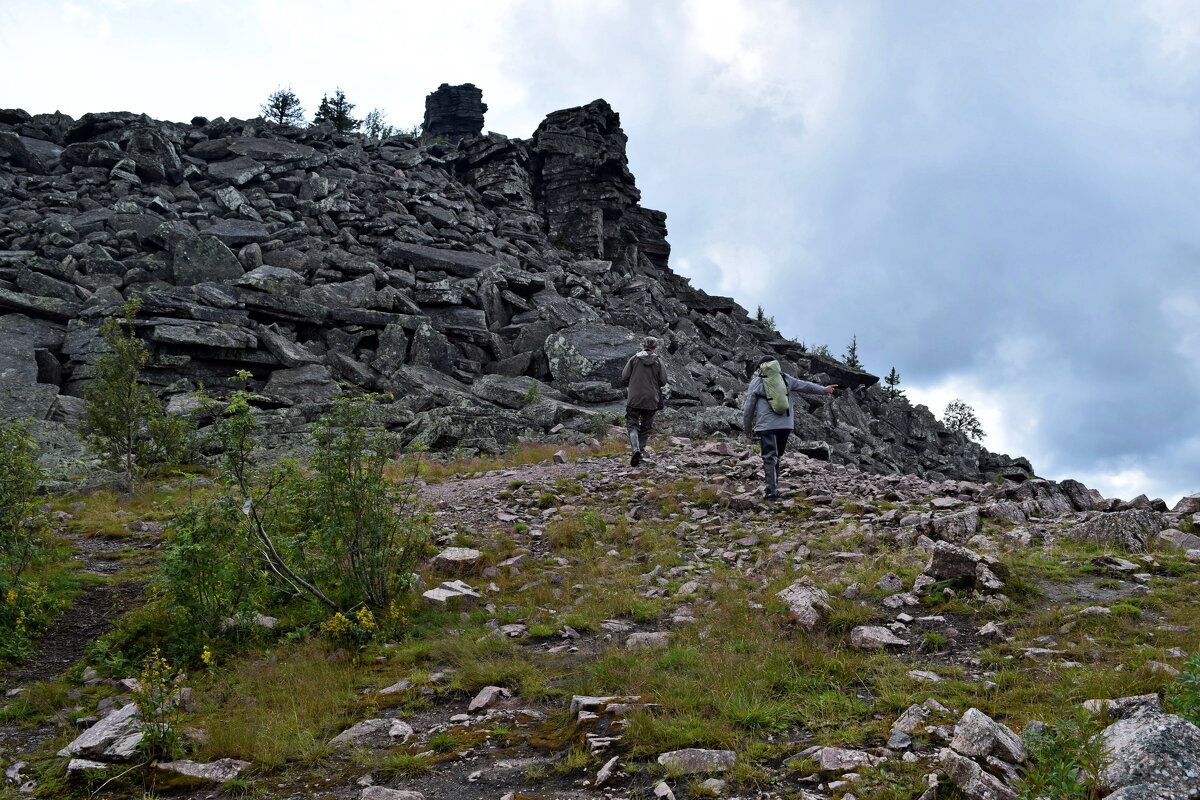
x=646 y=378
x=768 y=412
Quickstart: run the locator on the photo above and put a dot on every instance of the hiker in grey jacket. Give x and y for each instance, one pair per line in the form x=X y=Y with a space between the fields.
x=768 y=412
x=646 y=378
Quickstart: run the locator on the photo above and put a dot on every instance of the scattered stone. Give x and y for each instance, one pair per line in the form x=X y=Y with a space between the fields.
x=694 y=760
x=874 y=637
x=806 y=603
x=656 y=640
x=220 y=771
x=487 y=697
x=457 y=561
x=374 y=733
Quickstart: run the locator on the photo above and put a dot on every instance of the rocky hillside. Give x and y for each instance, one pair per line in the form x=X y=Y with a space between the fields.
x=588 y=630
x=493 y=285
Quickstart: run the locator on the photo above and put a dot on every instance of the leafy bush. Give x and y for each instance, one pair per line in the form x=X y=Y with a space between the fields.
x=343 y=533
x=21 y=526
x=1065 y=760
x=125 y=423
x=205 y=571
x=25 y=606
x=1183 y=694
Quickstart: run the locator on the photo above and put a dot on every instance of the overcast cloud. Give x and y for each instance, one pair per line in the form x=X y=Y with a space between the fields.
x=998 y=199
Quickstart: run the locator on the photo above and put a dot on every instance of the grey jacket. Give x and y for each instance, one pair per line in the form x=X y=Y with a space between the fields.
x=645 y=376
x=757 y=414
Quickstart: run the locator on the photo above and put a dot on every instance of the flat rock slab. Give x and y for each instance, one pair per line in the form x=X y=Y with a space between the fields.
x=114 y=738
x=220 y=771
x=457 y=560
x=452 y=594
x=695 y=760
x=374 y=733
x=875 y=637
x=382 y=793
x=655 y=640
x=840 y=759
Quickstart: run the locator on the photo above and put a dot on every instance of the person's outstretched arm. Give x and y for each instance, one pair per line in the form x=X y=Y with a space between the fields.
x=808 y=387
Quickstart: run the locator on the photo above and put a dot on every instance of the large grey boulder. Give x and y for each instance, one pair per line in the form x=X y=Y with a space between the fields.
x=1129 y=529
x=952 y=562
x=312 y=383
x=1188 y=505
x=589 y=351
x=1156 y=753
x=512 y=392
x=204 y=259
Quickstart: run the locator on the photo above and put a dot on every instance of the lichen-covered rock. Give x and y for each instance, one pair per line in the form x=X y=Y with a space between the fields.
x=694 y=760
x=1130 y=529
x=374 y=733
x=978 y=736
x=952 y=562
x=1157 y=753
x=806 y=603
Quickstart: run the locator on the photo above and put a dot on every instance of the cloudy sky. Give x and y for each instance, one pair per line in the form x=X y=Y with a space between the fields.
x=999 y=199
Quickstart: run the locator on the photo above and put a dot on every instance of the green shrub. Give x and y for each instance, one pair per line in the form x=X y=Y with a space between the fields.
x=205 y=570
x=1183 y=694
x=25 y=605
x=1066 y=760
x=125 y=423
x=21 y=526
x=343 y=533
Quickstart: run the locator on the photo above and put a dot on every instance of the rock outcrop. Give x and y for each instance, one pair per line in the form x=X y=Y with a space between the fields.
x=433 y=270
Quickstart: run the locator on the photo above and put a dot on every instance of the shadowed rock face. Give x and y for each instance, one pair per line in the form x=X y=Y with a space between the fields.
x=424 y=269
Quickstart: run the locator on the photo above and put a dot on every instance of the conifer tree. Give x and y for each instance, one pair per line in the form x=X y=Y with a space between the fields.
x=892 y=380
x=283 y=107
x=851 y=357
x=337 y=111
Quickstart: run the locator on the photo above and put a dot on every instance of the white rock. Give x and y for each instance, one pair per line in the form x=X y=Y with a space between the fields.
x=457 y=560
x=220 y=771
x=648 y=641
x=806 y=603
x=487 y=697
x=114 y=738
x=874 y=637
x=977 y=736
x=374 y=733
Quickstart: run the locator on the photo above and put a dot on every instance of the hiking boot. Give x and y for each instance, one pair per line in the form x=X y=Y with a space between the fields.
x=636 y=458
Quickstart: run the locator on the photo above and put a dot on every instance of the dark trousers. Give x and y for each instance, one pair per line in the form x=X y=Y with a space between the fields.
x=638 y=421
x=773 y=444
